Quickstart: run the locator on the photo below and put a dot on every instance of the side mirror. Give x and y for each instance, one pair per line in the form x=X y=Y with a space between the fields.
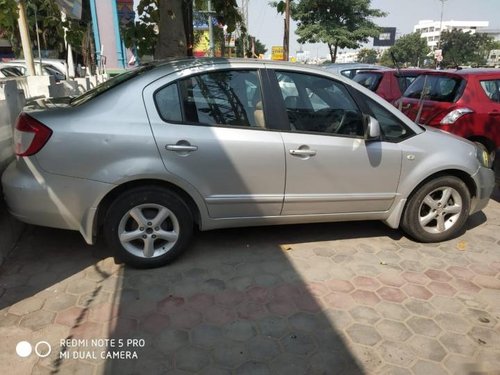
x=372 y=132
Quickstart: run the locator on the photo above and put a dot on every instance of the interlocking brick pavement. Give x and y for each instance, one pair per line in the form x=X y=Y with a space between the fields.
x=339 y=298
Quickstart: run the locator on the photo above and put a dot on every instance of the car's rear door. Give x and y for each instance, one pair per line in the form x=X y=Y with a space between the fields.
x=330 y=168
x=211 y=132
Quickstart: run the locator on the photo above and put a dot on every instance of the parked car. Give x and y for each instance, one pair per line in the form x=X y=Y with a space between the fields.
x=7 y=71
x=463 y=102
x=214 y=143
x=349 y=70
x=47 y=69
x=390 y=84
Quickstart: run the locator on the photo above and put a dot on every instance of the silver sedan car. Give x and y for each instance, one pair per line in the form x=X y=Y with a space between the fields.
x=148 y=156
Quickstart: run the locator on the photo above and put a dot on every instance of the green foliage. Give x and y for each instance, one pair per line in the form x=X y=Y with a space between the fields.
x=51 y=28
x=8 y=24
x=259 y=48
x=409 y=50
x=461 y=48
x=141 y=35
x=367 y=56
x=338 y=23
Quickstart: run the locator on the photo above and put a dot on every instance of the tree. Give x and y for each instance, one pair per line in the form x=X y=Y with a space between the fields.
x=367 y=56
x=464 y=48
x=339 y=24
x=51 y=28
x=409 y=50
x=8 y=24
x=176 y=36
x=258 y=47
x=142 y=36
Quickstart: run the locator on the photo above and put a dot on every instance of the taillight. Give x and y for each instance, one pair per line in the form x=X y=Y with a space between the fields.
x=454 y=115
x=30 y=135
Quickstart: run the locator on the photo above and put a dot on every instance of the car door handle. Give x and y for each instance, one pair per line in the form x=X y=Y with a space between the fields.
x=494 y=113
x=181 y=148
x=302 y=152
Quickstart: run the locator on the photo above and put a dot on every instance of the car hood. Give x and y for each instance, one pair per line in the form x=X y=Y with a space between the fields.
x=448 y=135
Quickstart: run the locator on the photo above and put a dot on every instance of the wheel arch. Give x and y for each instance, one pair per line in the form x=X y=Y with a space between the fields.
x=464 y=176
x=111 y=196
x=394 y=220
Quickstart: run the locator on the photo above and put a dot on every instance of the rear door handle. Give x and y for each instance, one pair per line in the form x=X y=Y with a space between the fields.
x=303 y=152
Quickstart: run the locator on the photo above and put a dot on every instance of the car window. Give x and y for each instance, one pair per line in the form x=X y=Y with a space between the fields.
x=11 y=72
x=319 y=105
x=492 y=89
x=391 y=128
x=223 y=98
x=370 y=80
x=168 y=103
x=405 y=81
x=437 y=88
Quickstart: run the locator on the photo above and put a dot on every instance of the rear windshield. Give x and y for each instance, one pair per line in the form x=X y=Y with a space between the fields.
x=404 y=81
x=109 y=84
x=436 y=88
x=370 y=80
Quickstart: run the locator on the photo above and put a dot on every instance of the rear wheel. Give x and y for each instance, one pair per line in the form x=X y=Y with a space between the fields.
x=148 y=227
x=438 y=210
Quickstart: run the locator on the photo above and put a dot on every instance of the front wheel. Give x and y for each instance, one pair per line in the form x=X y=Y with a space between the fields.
x=148 y=227
x=438 y=210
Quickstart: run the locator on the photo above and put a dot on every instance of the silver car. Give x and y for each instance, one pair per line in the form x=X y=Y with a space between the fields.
x=148 y=156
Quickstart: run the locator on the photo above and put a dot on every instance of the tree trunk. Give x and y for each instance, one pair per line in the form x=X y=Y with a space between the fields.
x=172 y=40
x=333 y=54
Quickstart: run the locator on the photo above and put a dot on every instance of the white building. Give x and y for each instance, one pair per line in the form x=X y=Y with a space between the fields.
x=431 y=30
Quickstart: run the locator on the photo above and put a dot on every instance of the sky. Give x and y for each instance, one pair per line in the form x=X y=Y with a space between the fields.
x=267 y=26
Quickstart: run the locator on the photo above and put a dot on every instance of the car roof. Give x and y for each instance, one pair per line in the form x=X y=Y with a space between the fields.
x=159 y=68
x=466 y=72
x=393 y=70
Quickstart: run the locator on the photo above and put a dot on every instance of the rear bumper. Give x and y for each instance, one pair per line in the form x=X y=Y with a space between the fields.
x=36 y=197
x=485 y=182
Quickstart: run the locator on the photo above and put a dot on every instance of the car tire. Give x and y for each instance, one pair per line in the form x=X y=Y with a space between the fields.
x=438 y=210
x=148 y=227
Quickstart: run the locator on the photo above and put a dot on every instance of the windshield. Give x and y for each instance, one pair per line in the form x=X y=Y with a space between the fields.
x=437 y=88
x=370 y=80
x=109 y=84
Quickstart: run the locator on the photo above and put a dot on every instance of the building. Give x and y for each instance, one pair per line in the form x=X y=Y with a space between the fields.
x=494 y=33
x=431 y=30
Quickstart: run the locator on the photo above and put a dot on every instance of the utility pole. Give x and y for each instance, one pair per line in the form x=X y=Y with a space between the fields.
x=25 y=38
x=286 y=35
x=211 y=29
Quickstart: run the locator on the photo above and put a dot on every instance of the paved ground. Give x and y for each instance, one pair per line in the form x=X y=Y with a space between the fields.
x=350 y=298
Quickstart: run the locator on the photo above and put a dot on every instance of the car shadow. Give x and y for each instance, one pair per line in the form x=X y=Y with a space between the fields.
x=237 y=300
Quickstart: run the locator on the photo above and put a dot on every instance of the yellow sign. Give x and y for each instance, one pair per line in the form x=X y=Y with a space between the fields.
x=277 y=53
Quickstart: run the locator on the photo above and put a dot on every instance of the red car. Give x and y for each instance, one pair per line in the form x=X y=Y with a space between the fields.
x=463 y=102
x=390 y=84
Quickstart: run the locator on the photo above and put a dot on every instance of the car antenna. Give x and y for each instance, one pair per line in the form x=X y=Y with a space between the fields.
x=398 y=72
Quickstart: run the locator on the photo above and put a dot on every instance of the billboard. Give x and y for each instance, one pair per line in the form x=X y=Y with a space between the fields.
x=387 y=37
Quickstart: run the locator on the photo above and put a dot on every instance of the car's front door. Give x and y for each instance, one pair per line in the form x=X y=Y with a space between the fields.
x=211 y=133
x=330 y=168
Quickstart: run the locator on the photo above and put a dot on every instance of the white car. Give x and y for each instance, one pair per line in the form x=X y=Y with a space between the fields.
x=7 y=71
x=47 y=69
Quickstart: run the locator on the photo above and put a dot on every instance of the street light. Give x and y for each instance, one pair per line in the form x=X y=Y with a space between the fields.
x=441 y=22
